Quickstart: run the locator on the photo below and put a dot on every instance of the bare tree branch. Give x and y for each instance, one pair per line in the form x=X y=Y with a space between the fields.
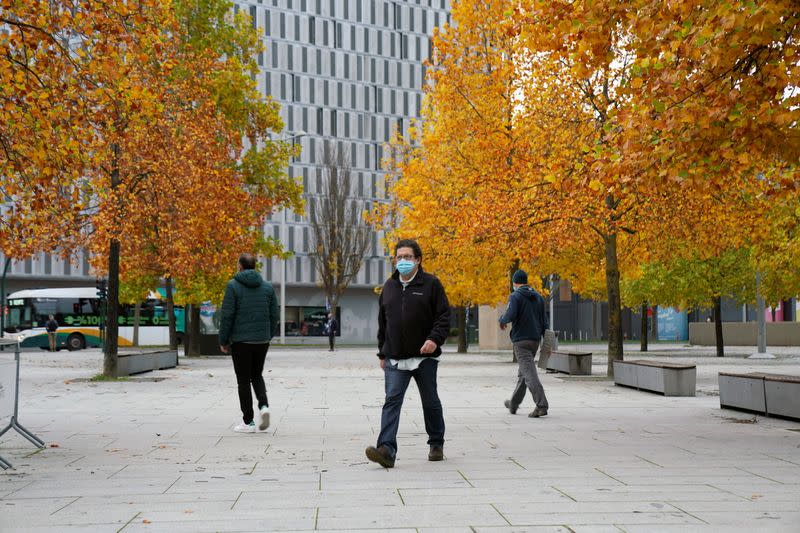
x=341 y=236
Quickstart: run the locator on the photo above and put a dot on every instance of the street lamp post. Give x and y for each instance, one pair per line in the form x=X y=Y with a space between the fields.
x=291 y=137
x=283 y=280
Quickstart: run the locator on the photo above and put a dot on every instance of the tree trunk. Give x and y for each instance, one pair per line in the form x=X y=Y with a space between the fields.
x=614 y=303
x=643 y=328
x=137 y=316
x=173 y=333
x=193 y=341
x=461 y=318
x=111 y=340
x=111 y=344
x=718 y=326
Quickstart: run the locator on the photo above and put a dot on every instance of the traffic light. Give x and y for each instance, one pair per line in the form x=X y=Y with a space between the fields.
x=102 y=288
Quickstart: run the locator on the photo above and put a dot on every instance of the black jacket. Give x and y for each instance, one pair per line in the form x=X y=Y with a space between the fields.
x=331 y=327
x=526 y=312
x=408 y=317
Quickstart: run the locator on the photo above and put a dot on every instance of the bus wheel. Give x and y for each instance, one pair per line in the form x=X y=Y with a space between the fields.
x=75 y=342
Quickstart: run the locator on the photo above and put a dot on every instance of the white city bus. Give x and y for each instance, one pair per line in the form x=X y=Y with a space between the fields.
x=78 y=313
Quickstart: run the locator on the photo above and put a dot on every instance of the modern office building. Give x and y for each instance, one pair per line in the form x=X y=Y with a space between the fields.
x=347 y=72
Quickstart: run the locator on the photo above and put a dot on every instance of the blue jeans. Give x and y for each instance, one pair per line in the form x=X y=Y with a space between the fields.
x=396 y=382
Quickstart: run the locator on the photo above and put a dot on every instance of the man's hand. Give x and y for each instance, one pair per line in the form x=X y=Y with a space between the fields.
x=428 y=347
x=224 y=349
x=383 y=364
x=503 y=326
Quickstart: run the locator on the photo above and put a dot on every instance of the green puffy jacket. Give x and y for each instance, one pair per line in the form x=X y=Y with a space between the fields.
x=249 y=310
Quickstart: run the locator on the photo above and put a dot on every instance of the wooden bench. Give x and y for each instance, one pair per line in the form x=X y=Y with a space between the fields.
x=575 y=363
x=669 y=379
x=757 y=392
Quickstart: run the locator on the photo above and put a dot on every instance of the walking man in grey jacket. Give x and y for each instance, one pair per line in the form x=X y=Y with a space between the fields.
x=249 y=320
x=526 y=312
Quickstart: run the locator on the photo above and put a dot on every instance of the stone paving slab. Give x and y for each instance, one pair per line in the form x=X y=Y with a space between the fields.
x=160 y=456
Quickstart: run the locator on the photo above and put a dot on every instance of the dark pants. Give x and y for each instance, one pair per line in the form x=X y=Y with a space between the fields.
x=332 y=340
x=527 y=377
x=248 y=363
x=396 y=382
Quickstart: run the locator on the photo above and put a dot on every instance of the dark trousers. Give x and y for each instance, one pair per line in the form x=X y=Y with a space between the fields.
x=332 y=340
x=248 y=363
x=396 y=382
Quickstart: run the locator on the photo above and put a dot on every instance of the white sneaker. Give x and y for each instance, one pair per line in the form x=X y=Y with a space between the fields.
x=264 y=424
x=241 y=427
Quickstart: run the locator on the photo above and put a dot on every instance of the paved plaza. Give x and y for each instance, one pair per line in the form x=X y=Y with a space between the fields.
x=157 y=453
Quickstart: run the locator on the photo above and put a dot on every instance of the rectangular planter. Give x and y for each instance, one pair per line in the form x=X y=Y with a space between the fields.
x=136 y=363
x=669 y=379
x=625 y=374
x=742 y=391
x=782 y=395
x=575 y=363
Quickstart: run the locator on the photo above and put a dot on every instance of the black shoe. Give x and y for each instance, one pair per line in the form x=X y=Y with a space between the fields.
x=380 y=455
x=512 y=410
x=539 y=411
x=436 y=453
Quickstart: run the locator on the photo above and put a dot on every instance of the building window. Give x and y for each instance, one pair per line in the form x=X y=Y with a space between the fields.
x=337 y=35
x=308 y=321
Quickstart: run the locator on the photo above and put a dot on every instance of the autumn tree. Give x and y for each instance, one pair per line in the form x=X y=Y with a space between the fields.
x=590 y=78
x=151 y=134
x=699 y=282
x=467 y=158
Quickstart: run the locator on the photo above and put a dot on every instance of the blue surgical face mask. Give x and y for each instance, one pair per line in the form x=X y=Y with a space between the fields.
x=405 y=266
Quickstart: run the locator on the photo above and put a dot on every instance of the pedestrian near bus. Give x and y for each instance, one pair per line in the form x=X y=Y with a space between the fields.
x=413 y=323
x=248 y=322
x=526 y=313
x=51 y=327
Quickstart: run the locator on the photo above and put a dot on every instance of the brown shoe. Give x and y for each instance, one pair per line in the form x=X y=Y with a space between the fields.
x=380 y=455
x=539 y=411
x=436 y=453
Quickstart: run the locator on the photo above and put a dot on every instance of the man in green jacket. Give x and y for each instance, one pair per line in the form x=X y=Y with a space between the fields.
x=249 y=320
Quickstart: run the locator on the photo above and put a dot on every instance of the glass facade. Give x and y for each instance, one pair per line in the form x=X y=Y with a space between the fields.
x=347 y=72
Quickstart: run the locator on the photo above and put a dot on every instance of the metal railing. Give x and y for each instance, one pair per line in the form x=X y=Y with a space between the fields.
x=9 y=378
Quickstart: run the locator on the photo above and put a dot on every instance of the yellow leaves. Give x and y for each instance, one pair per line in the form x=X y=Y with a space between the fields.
x=595 y=185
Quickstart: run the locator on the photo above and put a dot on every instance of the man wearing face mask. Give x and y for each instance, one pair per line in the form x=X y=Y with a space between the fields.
x=413 y=323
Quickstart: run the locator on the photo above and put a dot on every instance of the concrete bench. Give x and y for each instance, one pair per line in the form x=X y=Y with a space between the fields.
x=770 y=394
x=669 y=379
x=138 y=362
x=575 y=363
